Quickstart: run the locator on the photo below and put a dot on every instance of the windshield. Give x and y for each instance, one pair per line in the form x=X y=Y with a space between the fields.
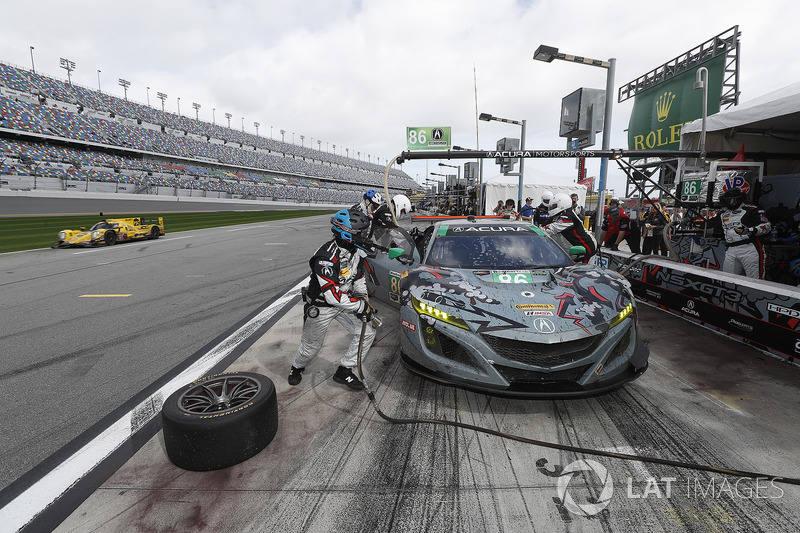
x=492 y=251
x=102 y=225
x=394 y=238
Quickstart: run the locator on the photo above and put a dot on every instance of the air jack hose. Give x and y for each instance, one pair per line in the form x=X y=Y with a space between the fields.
x=557 y=446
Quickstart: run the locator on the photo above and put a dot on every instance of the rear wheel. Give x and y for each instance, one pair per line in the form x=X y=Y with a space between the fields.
x=110 y=238
x=219 y=421
x=154 y=233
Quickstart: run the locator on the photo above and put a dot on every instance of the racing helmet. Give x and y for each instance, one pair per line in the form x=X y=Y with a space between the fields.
x=546 y=197
x=560 y=202
x=351 y=226
x=732 y=198
x=373 y=196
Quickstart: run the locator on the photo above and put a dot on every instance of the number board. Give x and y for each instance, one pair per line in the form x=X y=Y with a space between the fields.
x=691 y=190
x=435 y=138
x=512 y=276
x=394 y=285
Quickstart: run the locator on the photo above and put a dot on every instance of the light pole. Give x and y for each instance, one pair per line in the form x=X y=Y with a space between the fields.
x=33 y=67
x=256 y=124
x=125 y=84
x=162 y=96
x=283 y=132
x=548 y=54
x=214 y=116
x=228 y=116
x=69 y=66
x=179 y=106
x=196 y=107
x=242 y=124
x=319 y=145
x=98 y=82
x=148 y=95
x=487 y=117
x=302 y=141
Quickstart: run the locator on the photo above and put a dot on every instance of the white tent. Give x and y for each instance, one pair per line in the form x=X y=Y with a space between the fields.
x=768 y=126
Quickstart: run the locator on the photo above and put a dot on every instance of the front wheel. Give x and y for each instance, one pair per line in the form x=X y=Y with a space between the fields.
x=219 y=421
x=110 y=238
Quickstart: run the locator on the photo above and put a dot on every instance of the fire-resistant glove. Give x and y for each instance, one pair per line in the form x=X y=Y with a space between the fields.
x=366 y=314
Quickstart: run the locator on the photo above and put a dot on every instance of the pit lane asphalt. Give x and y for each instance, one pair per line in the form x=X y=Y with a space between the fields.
x=335 y=465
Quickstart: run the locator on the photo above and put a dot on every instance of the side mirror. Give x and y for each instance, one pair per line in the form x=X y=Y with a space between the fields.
x=577 y=250
x=394 y=253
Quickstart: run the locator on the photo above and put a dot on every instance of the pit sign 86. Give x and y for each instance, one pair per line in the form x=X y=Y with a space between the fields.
x=433 y=138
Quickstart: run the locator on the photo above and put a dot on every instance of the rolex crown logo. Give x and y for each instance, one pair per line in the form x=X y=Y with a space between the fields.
x=663 y=104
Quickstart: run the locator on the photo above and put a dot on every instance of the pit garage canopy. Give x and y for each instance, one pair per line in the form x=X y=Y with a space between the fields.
x=769 y=124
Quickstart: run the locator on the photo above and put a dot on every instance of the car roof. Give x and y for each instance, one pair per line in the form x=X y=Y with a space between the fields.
x=465 y=227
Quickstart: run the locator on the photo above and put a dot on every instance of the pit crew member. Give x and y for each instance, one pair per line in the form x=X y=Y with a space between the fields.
x=337 y=291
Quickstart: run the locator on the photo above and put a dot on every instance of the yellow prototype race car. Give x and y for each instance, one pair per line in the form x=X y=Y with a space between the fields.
x=111 y=231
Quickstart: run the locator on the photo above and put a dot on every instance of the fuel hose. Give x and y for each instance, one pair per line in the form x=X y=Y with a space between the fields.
x=562 y=447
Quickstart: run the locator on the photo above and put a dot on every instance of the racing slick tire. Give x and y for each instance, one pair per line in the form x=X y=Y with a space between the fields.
x=110 y=238
x=154 y=233
x=220 y=420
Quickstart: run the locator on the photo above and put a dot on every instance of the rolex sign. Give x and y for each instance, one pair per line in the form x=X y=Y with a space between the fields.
x=660 y=112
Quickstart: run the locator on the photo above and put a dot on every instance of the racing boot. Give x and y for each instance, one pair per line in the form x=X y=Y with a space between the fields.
x=295 y=375
x=345 y=375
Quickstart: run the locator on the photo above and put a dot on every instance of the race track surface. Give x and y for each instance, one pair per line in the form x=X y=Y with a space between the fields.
x=71 y=362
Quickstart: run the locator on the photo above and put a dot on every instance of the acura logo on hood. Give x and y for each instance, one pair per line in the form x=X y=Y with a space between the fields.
x=542 y=325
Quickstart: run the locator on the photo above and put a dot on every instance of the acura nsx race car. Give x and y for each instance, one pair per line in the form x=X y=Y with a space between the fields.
x=111 y=231
x=498 y=307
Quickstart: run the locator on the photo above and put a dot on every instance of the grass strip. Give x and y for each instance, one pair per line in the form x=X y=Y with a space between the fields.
x=28 y=233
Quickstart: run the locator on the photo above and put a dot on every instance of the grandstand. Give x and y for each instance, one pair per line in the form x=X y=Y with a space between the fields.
x=54 y=134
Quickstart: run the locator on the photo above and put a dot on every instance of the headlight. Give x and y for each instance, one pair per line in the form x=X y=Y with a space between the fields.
x=95 y=234
x=627 y=310
x=62 y=235
x=424 y=309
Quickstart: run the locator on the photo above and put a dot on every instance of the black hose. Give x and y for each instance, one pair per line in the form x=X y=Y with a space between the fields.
x=557 y=446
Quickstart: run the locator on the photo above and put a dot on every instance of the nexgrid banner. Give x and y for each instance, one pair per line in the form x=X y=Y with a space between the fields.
x=660 y=112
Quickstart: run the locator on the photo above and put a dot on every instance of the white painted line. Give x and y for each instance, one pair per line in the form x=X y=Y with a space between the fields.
x=131 y=244
x=274 y=243
x=247 y=228
x=51 y=486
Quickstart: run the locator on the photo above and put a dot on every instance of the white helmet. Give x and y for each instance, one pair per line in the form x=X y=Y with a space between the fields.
x=547 y=196
x=377 y=199
x=560 y=202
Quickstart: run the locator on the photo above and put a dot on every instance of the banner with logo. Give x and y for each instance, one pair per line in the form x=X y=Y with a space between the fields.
x=659 y=113
x=763 y=314
x=588 y=182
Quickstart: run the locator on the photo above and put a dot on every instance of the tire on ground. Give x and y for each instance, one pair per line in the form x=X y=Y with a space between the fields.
x=220 y=420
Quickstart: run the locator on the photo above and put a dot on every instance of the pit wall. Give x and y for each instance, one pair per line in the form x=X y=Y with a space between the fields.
x=761 y=313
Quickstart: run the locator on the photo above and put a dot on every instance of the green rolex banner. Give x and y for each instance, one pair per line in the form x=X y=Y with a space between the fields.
x=660 y=112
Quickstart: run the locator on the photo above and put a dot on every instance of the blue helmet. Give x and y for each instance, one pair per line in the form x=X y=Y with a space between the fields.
x=373 y=196
x=351 y=226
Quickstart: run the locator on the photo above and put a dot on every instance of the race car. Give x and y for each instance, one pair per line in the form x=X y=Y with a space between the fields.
x=111 y=231
x=498 y=307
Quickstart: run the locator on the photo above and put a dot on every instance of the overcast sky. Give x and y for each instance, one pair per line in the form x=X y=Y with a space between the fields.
x=357 y=73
